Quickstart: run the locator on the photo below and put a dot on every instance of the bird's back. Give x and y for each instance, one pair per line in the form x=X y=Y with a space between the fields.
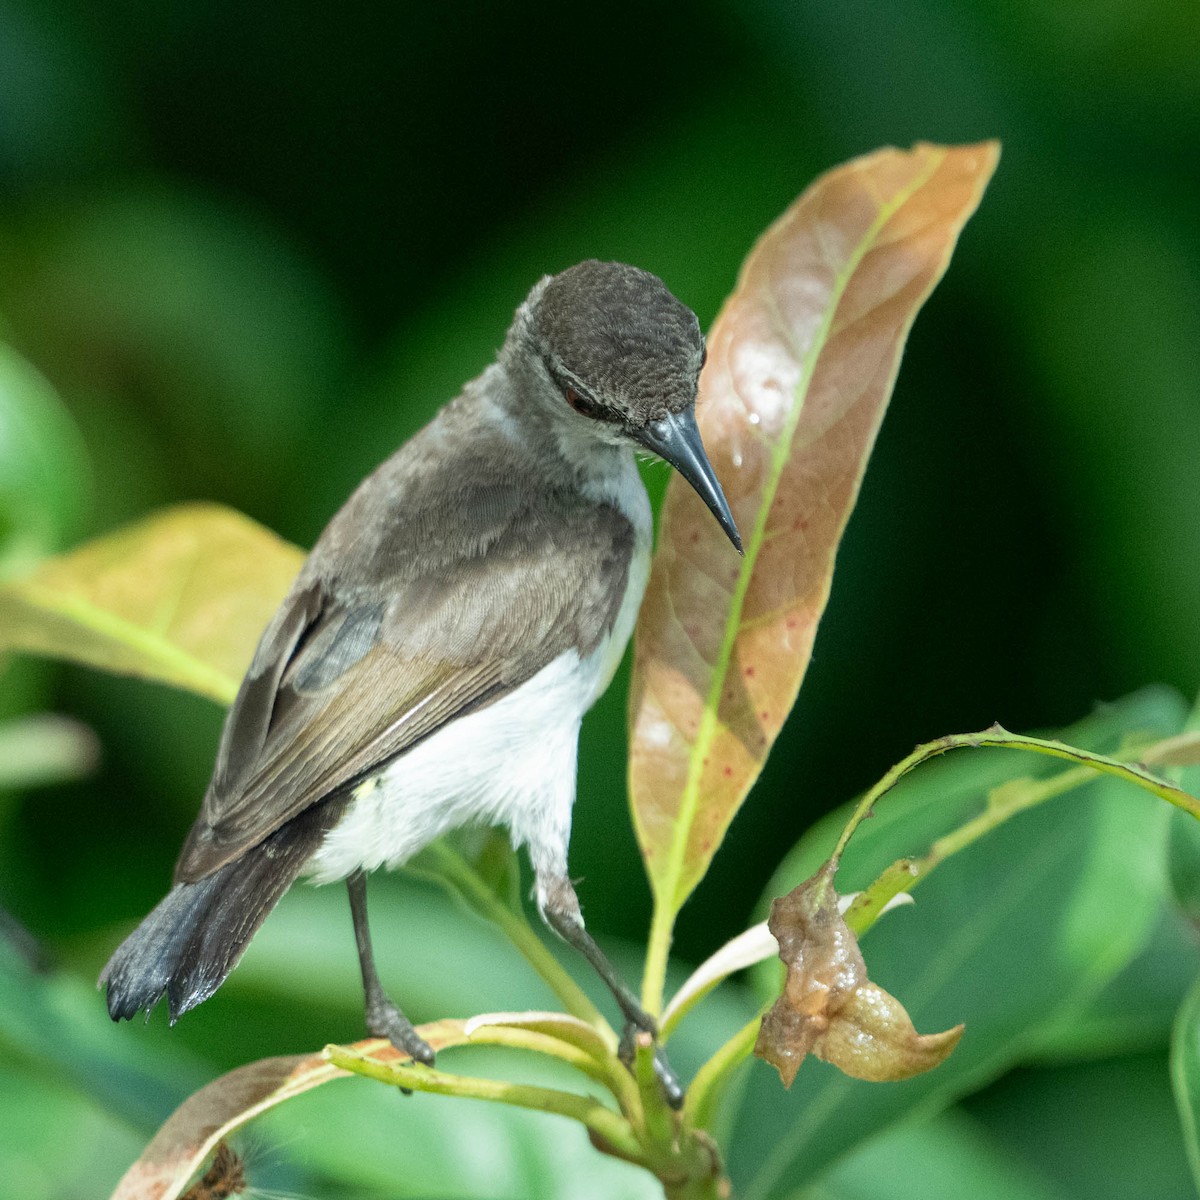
x=457 y=572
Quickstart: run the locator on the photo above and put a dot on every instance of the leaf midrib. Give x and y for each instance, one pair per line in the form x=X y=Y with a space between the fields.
x=177 y=663
x=669 y=889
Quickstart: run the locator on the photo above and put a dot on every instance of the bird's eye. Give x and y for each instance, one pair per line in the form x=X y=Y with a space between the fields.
x=580 y=403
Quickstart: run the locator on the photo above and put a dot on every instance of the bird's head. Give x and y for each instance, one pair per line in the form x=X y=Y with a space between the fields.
x=619 y=357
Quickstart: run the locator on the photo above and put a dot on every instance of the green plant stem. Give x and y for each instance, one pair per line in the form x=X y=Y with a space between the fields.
x=1006 y=801
x=904 y=874
x=700 y=1106
x=658 y=1121
x=1002 y=739
x=704 y=1178
x=711 y=1188
x=518 y=930
x=609 y=1071
x=658 y=951
x=607 y=1125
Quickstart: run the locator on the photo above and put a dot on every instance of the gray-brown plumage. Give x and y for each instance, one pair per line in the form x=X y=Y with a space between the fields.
x=458 y=615
x=463 y=593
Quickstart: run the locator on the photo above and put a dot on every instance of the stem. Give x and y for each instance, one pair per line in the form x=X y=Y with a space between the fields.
x=657 y=1120
x=700 y=1106
x=905 y=873
x=518 y=930
x=707 y=1183
x=606 y=1124
x=609 y=1071
x=1002 y=739
x=658 y=950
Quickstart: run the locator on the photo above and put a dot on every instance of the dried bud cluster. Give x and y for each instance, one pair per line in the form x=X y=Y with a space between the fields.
x=829 y=1007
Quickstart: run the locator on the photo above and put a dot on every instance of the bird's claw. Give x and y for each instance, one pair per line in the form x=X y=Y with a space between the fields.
x=385 y=1020
x=668 y=1081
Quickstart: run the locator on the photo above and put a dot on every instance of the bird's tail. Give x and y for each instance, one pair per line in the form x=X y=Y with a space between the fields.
x=197 y=933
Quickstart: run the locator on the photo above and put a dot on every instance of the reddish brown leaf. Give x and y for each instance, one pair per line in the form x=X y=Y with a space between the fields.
x=801 y=364
x=829 y=1007
x=203 y=1120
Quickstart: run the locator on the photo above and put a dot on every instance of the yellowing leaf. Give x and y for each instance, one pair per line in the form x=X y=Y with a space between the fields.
x=180 y=598
x=801 y=364
x=560 y=1026
x=829 y=1007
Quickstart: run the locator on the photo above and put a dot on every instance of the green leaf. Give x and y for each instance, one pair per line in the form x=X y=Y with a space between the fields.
x=43 y=468
x=53 y=1024
x=1008 y=935
x=1185 y=1076
x=1097 y=1129
x=801 y=365
x=946 y=1158
x=1183 y=855
x=1136 y=1010
x=180 y=598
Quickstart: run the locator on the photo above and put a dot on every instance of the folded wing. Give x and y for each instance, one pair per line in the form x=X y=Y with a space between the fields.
x=358 y=667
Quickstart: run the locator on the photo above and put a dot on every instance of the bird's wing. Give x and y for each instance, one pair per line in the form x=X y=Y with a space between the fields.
x=346 y=678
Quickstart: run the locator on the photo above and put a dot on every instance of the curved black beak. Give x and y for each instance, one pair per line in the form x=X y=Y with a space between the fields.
x=676 y=439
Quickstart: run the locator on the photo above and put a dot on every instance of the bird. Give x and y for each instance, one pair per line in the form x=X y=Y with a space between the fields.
x=432 y=661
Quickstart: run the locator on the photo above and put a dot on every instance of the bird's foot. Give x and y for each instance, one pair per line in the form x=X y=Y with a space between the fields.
x=385 y=1020
x=668 y=1081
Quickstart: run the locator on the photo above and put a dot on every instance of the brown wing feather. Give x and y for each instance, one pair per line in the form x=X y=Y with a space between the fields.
x=349 y=677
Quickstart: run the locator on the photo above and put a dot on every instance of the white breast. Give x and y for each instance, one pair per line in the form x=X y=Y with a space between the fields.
x=512 y=763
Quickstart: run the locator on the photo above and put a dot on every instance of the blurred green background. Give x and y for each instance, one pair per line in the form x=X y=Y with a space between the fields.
x=252 y=248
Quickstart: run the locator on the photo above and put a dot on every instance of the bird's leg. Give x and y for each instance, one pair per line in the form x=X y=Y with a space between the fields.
x=559 y=907
x=384 y=1019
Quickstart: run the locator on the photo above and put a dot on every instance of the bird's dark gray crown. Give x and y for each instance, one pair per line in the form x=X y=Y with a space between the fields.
x=614 y=337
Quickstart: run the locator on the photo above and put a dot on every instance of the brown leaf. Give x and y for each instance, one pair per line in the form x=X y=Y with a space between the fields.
x=225 y=1177
x=801 y=364
x=829 y=1007
x=873 y=1038
x=180 y=597
x=209 y=1116
x=824 y=966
